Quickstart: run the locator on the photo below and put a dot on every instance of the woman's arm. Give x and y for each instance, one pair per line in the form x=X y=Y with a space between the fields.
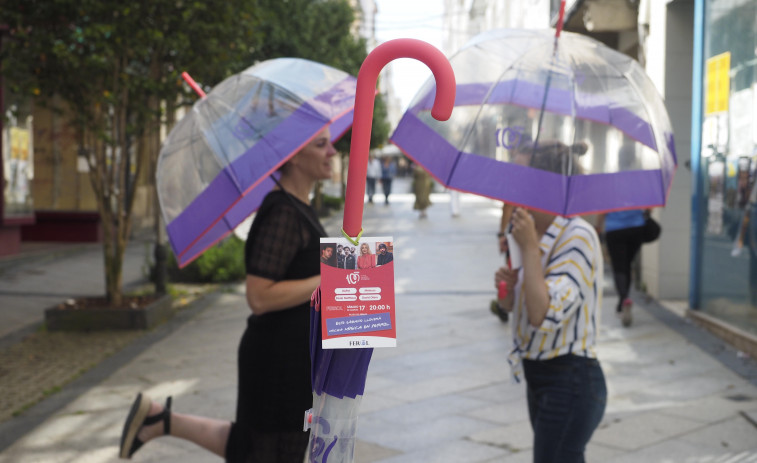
x=264 y=295
x=534 y=286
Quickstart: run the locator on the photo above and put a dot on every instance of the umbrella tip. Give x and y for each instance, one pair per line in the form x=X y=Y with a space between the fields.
x=189 y=80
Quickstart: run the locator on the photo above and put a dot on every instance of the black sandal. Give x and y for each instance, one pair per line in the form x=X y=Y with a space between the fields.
x=137 y=419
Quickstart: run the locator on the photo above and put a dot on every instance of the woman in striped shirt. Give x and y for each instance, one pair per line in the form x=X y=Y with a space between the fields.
x=554 y=300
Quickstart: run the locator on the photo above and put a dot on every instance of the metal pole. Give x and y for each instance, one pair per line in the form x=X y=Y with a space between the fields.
x=697 y=214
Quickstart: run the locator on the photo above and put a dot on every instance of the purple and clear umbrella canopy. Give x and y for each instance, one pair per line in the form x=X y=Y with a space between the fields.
x=215 y=166
x=593 y=108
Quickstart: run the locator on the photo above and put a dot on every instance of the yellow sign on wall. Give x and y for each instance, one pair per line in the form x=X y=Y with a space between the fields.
x=718 y=83
x=19 y=143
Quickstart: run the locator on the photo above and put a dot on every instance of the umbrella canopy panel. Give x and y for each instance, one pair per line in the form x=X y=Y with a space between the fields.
x=215 y=165
x=516 y=95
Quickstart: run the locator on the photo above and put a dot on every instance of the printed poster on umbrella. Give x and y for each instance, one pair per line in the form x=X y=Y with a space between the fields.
x=357 y=293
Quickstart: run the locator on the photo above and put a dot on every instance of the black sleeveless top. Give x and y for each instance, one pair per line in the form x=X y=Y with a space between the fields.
x=274 y=356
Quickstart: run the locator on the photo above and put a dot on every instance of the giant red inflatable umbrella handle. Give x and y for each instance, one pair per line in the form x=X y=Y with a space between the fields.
x=364 y=99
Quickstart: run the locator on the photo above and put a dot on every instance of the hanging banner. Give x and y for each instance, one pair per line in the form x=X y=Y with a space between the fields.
x=357 y=293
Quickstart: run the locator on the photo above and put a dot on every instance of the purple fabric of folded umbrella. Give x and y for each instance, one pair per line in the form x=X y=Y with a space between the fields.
x=337 y=372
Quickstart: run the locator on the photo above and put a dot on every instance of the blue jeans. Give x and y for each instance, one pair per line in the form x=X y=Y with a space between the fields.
x=566 y=401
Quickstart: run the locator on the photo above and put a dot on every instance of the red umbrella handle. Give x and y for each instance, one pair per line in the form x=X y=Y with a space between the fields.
x=363 y=115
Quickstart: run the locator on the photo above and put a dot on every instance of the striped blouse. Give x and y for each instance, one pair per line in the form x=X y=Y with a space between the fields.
x=572 y=262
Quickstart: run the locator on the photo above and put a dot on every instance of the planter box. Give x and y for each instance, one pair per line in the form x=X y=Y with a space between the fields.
x=96 y=319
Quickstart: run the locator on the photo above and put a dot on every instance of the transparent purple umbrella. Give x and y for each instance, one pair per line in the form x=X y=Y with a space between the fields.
x=215 y=167
x=591 y=108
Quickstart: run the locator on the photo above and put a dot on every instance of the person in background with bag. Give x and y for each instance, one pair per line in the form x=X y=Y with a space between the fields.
x=625 y=232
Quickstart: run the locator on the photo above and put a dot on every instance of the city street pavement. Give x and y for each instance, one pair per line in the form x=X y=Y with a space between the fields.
x=676 y=393
x=45 y=274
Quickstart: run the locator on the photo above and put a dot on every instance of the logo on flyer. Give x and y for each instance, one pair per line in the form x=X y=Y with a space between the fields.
x=353 y=278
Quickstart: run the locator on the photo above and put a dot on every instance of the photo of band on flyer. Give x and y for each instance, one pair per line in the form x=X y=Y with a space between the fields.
x=357 y=293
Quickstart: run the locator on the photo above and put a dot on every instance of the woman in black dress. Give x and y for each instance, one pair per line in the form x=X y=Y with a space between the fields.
x=274 y=391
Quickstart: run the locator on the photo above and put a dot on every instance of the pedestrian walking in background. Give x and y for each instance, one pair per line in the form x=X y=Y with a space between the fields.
x=504 y=222
x=373 y=174
x=454 y=203
x=388 y=171
x=624 y=235
x=423 y=183
x=283 y=269
x=554 y=298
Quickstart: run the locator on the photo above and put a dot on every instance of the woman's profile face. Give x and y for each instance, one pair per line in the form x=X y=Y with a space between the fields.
x=314 y=159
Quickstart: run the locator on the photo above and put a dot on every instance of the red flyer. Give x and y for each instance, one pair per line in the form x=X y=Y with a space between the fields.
x=357 y=293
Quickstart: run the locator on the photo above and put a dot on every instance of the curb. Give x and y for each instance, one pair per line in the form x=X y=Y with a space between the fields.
x=740 y=339
x=718 y=347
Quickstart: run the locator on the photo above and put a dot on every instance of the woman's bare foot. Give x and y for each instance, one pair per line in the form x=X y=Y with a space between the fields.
x=149 y=432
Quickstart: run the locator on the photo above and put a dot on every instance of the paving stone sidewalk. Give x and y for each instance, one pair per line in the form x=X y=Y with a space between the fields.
x=677 y=394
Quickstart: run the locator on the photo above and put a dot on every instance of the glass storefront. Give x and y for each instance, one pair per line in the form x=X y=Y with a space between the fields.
x=728 y=270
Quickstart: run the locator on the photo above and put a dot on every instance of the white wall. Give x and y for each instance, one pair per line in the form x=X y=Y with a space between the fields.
x=665 y=263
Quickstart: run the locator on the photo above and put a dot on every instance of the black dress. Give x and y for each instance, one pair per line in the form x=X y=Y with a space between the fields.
x=274 y=387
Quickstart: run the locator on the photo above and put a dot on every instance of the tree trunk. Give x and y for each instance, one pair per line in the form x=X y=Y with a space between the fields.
x=114 y=251
x=113 y=184
x=160 y=250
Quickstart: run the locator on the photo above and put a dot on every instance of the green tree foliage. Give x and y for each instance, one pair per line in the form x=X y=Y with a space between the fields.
x=320 y=31
x=115 y=67
x=222 y=263
x=111 y=64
